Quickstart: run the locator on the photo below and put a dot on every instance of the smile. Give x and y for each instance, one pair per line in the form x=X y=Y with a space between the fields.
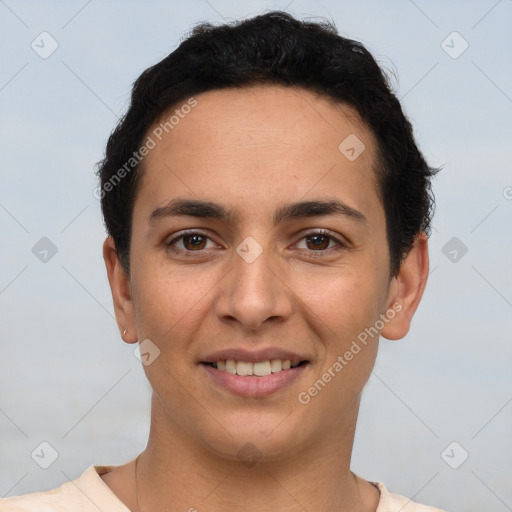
x=254 y=379
x=259 y=369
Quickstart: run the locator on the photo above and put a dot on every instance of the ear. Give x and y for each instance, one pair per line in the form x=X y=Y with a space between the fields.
x=406 y=289
x=121 y=292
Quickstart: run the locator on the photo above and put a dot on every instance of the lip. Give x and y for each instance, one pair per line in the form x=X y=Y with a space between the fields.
x=253 y=356
x=253 y=386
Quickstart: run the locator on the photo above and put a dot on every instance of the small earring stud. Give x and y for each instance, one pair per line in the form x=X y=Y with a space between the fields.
x=124 y=332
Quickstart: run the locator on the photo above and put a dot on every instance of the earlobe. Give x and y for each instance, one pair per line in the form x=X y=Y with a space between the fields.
x=121 y=293
x=407 y=289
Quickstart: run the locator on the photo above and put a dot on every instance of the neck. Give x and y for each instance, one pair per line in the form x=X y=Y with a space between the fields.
x=173 y=469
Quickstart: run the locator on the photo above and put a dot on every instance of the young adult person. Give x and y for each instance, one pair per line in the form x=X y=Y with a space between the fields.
x=268 y=212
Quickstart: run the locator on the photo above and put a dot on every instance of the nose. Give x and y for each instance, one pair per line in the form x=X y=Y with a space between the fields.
x=254 y=292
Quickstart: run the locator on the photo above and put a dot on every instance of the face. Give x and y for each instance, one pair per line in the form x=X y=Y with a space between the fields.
x=247 y=277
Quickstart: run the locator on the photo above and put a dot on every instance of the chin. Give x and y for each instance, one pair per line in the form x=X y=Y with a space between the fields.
x=258 y=438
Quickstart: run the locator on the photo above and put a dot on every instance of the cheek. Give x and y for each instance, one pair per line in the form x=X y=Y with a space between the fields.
x=166 y=300
x=347 y=355
x=168 y=309
x=344 y=299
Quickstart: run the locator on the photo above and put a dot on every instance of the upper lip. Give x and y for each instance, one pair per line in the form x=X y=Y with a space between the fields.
x=253 y=356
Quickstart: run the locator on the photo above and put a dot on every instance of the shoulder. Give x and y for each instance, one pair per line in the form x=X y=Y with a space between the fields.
x=48 y=501
x=54 y=500
x=396 y=503
x=85 y=493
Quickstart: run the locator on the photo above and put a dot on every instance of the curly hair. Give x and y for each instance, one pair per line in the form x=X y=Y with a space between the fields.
x=274 y=48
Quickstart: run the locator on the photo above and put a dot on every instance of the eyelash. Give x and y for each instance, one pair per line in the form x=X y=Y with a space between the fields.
x=188 y=253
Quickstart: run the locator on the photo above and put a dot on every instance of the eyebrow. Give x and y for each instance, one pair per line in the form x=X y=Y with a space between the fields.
x=288 y=211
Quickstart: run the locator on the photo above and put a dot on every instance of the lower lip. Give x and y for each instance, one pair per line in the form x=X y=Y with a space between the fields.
x=253 y=386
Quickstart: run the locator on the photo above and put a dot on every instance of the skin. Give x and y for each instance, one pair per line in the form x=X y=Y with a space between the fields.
x=253 y=150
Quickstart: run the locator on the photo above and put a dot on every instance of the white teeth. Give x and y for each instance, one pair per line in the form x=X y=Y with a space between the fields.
x=260 y=369
x=230 y=366
x=276 y=365
x=243 y=368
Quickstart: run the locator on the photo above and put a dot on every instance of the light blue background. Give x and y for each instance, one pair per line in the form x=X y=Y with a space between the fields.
x=68 y=379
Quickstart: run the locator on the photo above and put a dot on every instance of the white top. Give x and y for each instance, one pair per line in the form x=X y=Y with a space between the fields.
x=89 y=493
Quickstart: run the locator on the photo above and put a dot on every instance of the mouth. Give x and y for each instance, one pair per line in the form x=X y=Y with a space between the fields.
x=253 y=379
x=259 y=369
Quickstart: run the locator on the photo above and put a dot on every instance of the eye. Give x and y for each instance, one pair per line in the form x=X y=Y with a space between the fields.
x=192 y=241
x=319 y=241
x=196 y=242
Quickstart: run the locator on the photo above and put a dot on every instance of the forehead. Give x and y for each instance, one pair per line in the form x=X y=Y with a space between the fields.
x=255 y=143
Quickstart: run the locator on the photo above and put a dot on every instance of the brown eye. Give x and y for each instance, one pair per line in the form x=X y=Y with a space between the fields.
x=191 y=241
x=319 y=242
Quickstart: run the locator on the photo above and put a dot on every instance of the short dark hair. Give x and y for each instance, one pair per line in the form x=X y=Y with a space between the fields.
x=273 y=49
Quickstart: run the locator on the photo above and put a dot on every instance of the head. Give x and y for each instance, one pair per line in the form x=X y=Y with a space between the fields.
x=224 y=137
